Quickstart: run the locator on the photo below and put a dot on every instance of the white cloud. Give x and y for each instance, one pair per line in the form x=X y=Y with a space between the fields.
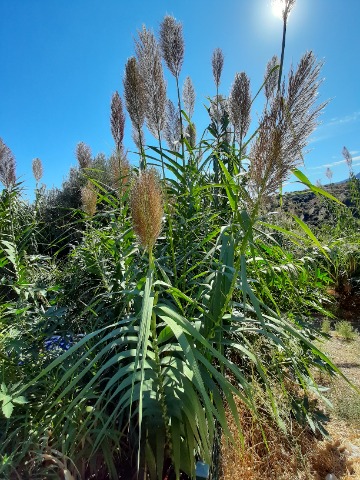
x=335 y=164
x=327 y=165
x=353 y=117
x=325 y=130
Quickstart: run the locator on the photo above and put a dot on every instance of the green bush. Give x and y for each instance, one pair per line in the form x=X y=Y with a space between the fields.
x=326 y=326
x=345 y=330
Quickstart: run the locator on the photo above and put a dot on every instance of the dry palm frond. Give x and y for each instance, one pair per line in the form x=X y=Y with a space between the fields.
x=285 y=128
x=134 y=91
x=147 y=207
x=83 y=155
x=172 y=44
x=217 y=65
x=188 y=96
x=37 y=169
x=271 y=77
x=7 y=165
x=149 y=58
x=89 y=199
x=172 y=130
x=239 y=105
x=117 y=121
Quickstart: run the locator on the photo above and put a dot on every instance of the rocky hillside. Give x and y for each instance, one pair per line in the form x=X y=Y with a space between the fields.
x=316 y=209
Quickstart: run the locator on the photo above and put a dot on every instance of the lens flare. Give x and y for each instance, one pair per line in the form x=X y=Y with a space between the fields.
x=277 y=7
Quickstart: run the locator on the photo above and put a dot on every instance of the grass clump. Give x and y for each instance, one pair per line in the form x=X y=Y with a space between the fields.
x=347 y=407
x=345 y=330
x=326 y=326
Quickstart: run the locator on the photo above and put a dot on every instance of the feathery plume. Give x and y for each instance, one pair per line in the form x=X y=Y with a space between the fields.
x=190 y=134
x=329 y=174
x=348 y=158
x=146 y=204
x=117 y=120
x=239 y=105
x=285 y=128
x=37 y=169
x=172 y=130
x=271 y=77
x=83 y=155
x=288 y=6
x=172 y=44
x=188 y=95
x=218 y=108
x=135 y=100
x=286 y=9
x=7 y=165
x=138 y=138
x=120 y=169
x=89 y=199
x=217 y=65
x=149 y=58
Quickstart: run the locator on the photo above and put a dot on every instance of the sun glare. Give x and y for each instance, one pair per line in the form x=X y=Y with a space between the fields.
x=278 y=8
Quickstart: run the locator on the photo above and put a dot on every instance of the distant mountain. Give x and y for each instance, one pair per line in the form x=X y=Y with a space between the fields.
x=344 y=181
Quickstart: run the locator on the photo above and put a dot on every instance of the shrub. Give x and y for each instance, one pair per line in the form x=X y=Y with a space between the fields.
x=345 y=330
x=326 y=325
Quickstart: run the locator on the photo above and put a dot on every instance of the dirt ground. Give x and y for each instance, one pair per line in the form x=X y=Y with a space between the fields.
x=300 y=455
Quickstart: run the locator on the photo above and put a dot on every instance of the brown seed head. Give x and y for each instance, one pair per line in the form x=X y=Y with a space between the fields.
x=190 y=134
x=89 y=199
x=37 y=169
x=117 y=120
x=134 y=91
x=172 y=130
x=149 y=58
x=83 y=155
x=217 y=65
x=239 y=104
x=285 y=127
x=147 y=207
x=120 y=169
x=139 y=138
x=189 y=96
x=7 y=165
x=271 y=77
x=172 y=44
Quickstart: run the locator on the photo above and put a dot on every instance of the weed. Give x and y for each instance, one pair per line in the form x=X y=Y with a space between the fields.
x=345 y=330
x=326 y=326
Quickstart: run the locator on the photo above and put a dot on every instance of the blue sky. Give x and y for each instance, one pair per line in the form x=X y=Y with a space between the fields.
x=61 y=61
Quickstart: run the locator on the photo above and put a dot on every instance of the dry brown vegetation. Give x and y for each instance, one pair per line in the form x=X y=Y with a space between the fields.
x=299 y=454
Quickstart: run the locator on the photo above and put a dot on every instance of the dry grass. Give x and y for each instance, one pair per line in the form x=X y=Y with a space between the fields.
x=299 y=454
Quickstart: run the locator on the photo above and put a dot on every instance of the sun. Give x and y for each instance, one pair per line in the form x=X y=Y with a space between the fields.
x=278 y=8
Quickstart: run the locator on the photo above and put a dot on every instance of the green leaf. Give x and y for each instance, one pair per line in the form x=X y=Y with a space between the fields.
x=303 y=179
x=7 y=407
x=20 y=400
x=310 y=234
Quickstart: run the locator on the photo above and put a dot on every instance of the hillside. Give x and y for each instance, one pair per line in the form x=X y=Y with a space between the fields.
x=315 y=209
